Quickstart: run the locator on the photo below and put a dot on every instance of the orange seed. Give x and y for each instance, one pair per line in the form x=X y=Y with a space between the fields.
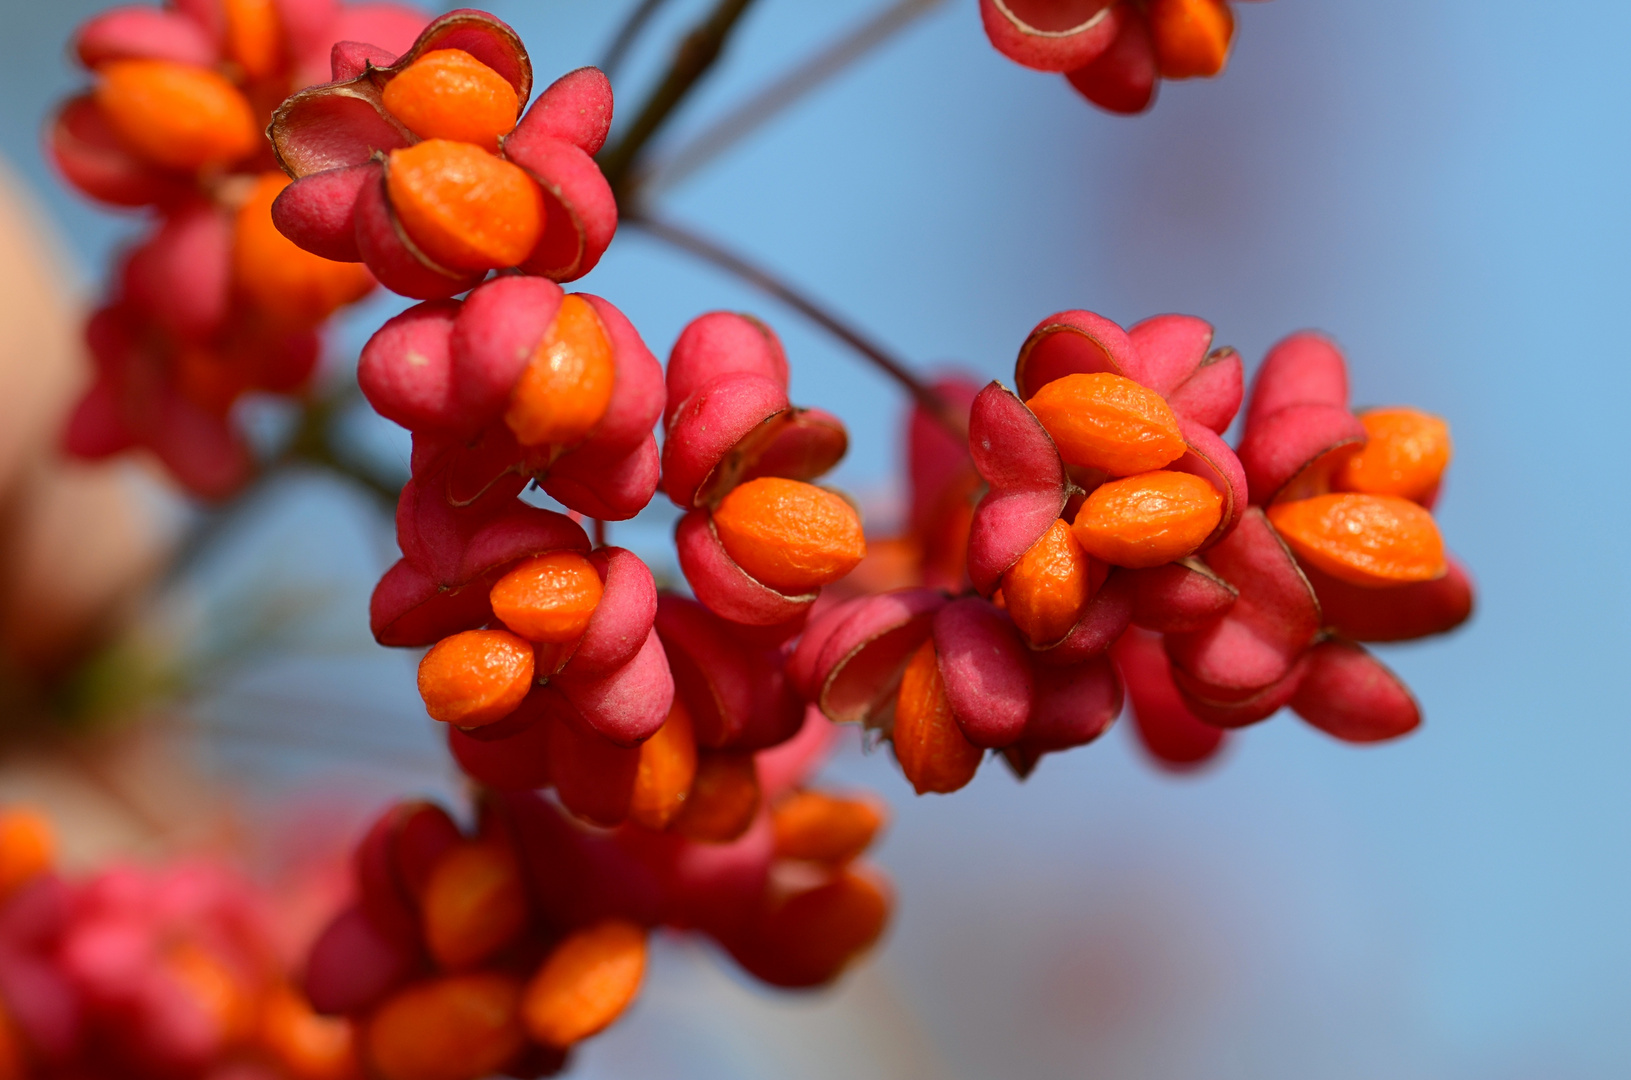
x=463 y=207
x=1191 y=36
x=474 y=903
x=932 y=750
x=790 y=535
x=254 y=36
x=460 y=1027
x=28 y=847
x=307 y=1046
x=566 y=387
x=1370 y=540
x=475 y=677
x=288 y=282
x=724 y=798
x=1148 y=520
x=548 y=598
x=668 y=766
x=818 y=827
x=586 y=983
x=1406 y=455
x=178 y=115
x=1048 y=587
x=1104 y=421
x=449 y=94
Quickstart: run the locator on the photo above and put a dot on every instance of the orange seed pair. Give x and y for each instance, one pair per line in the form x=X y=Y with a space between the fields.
x=180 y=116
x=789 y=535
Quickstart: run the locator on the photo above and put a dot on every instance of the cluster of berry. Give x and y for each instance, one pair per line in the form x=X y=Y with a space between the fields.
x=214 y=301
x=173 y=971
x=1114 y=52
x=497 y=952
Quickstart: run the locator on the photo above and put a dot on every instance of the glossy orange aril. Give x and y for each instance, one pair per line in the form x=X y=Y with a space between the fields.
x=932 y=750
x=254 y=36
x=280 y=278
x=460 y=1027
x=1191 y=36
x=567 y=385
x=474 y=903
x=305 y=1045
x=668 y=767
x=818 y=827
x=1148 y=520
x=548 y=598
x=1108 y=422
x=1405 y=454
x=585 y=983
x=789 y=535
x=215 y=988
x=723 y=800
x=464 y=208
x=1368 y=540
x=28 y=847
x=1050 y=585
x=180 y=116
x=449 y=94
x=475 y=677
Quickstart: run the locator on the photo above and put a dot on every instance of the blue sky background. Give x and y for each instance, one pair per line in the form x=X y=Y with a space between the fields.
x=1442 y=187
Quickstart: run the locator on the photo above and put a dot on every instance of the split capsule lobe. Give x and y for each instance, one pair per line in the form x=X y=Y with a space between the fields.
x=789 y=535
x=1109 y=422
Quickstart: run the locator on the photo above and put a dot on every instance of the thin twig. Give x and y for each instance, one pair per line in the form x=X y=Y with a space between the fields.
x=709 y=251
x=600 y=532
x=627 y=34
x=696 y=53
x=752 y=114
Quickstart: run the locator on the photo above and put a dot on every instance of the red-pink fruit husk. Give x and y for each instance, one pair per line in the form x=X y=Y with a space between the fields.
x=1304 y=369
x=1212 y=395
x=712 y=887
x=353 y=964
x=1172 y=735
x=334 y=126
x=1210 y=458
x=181 y=276
x=1228 y=708
x=1074 y=342
x=518 y=532
x=348 y=59
x=594 y=776
x=721 y=343
x=1399 y=613
x=91 y=157
x=1104 y=620
x=724 y=587
x=1074 y=706
x=1015 y=455
x=580 y=211
x=638 y=395
x=735 y=690
x=709 y=424
x=495 y=337
x=318 y=212
x=1279 y=447
x=1170 y=349
x=1347 y=693
x=1123 y=79
x=857 y=664
x=457 y=545
x=1179 y=597
x=627 y=705
x=478 y=475
x=201 y=450
x=416 y=834
x=609 y=483
x=797 y=444
x=95 y=428
x=143 y=33
x=517 y=761
x=576 y=108
x=387 y=251
x=624 y=617
x=1271 y=623
x=306 y=23
x=985 y=670
x=1051 y=36
x=43 y=1002
x=485 y=37
x=577 y=877
x=409 y=607
x=936 y=460
x=784 y=767
x=406 y=370
x=826 y=616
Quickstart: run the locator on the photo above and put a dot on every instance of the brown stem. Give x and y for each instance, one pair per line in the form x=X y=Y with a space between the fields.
x=600 y=532
x=752 y=114
x=696 y=54
x=709 y=251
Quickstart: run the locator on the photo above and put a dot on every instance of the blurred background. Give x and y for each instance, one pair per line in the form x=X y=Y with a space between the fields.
x=1442 y=187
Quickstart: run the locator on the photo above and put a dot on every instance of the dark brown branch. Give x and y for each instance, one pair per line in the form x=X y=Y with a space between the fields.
x=711 y=252
x=752 y=114
x=696 y=54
